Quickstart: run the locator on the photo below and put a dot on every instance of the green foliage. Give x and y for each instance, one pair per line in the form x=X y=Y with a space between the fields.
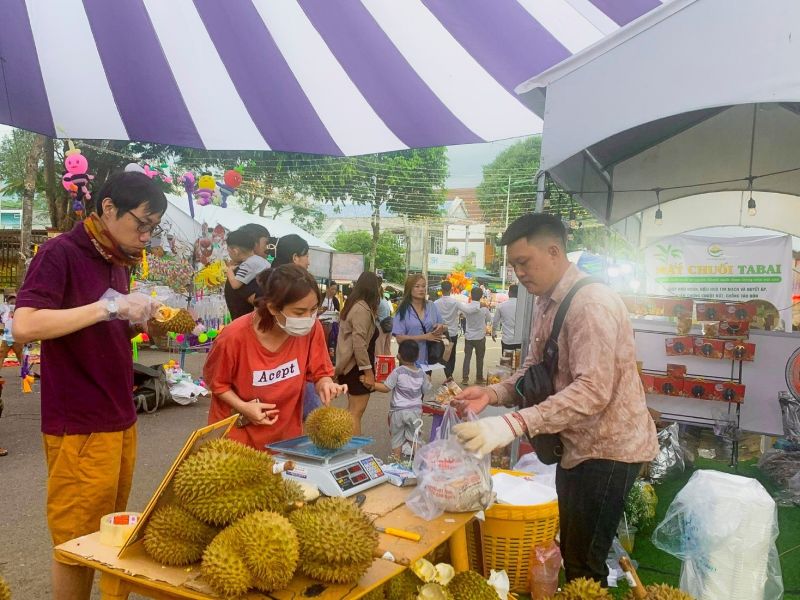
x=637 y=512
x=407 y=182
x=519 y=163
x=14 y=150
x=467 y=265
x=390 y=254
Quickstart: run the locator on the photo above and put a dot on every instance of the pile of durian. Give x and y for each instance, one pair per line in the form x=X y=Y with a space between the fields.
x=5 y=591
x=588 y=589
x=408 y=585
x=250 y=527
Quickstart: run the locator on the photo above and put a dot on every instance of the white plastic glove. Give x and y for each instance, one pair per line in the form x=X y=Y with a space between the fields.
x=482 y=436
x=136 y=307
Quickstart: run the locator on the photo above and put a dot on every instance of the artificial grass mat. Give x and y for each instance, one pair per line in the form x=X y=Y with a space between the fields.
x=656 y=566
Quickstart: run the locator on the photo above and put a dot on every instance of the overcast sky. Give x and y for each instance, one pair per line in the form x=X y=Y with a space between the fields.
x=466 y=162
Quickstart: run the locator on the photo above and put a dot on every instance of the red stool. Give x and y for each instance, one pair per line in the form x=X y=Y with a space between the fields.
x=384 y=364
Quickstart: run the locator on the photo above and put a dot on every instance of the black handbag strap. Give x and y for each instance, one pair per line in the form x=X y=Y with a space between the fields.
x=550 y=353
x=416 y=314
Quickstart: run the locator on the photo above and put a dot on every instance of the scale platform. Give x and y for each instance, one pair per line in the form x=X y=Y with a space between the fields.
x=342 y=472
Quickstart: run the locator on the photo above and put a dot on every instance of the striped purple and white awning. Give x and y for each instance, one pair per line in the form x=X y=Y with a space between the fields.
x=322 y=76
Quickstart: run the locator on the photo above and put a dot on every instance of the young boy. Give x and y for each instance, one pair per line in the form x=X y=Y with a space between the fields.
x=407 y=384
x=241 y=287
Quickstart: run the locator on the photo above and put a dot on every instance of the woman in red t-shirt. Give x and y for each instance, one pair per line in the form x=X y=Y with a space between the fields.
x=260 y=362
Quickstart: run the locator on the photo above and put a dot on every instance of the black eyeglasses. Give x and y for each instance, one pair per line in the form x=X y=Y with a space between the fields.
x=145 y=227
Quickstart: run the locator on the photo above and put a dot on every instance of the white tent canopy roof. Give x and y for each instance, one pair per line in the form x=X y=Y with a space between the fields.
x=676 y=100
x=181 y=224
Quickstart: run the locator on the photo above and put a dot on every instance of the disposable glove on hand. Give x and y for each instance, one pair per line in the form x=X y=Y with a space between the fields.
x=137 y=308
x=482 y=436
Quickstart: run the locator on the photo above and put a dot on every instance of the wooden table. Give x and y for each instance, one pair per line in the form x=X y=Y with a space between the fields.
x=138 y=573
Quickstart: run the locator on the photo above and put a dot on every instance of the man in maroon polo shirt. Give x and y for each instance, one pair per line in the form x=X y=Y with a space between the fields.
x=76 y=299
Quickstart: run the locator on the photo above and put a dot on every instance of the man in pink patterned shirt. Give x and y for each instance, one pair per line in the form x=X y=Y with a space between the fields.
x=598 y=408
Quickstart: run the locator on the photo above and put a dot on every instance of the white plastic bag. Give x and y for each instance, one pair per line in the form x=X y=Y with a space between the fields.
x=449 y=479
x=724 y=529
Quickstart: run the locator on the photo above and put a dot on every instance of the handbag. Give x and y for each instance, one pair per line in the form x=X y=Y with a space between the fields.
x=536 y=385
x=435 y=349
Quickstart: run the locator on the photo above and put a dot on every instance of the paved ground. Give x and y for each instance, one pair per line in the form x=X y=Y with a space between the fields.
x=24 y=540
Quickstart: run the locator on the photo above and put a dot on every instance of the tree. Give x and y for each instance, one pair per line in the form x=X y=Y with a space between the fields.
x=467 y=265
x=518 y=164
x=390 y=255
x=408 y=182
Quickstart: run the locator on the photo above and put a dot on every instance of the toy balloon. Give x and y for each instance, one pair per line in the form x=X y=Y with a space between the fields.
x=179 y=338
x=212 y=333
x=76 y=178
x=205 y=189
x=145 y=337
x=187 y=179
x=172 y=335
x=202 y=338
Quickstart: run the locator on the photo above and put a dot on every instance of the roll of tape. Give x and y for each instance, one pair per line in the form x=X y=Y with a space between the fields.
x=116 y=528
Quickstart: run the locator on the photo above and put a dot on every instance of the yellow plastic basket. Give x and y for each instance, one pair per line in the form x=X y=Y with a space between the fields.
x=508 y=535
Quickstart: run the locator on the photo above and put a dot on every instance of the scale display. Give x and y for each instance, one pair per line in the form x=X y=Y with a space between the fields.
x=342 y=472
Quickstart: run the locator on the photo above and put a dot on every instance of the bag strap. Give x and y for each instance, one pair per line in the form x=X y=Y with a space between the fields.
x=416 y=314
x=550 y=354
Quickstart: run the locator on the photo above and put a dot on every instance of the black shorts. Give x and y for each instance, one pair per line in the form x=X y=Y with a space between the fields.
x=354 y=386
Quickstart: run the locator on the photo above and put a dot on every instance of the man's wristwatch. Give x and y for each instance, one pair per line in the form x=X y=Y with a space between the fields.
x=112 y=308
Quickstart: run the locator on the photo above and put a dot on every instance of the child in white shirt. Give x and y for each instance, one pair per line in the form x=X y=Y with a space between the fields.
x=407 y=384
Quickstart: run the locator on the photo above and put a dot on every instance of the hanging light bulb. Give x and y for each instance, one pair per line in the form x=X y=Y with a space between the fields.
x=659 y=214
x=751 y=207
x=573 y=219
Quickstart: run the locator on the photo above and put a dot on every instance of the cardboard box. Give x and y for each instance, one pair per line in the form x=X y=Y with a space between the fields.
x=739 y=311
x=740 y=351
x=680 y=346
x=677 y=371
x=734 y=329
x=648 y=382
x=699 y=388
x=677 y=307
x=709 y=348
x=669 y=386
x=728 y=391
x=710 y=311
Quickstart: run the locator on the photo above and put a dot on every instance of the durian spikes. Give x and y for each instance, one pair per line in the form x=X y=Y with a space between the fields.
x=330 y=427
x=403 y=586
x=225 y=480
x=259 y=551
x=175 y=537
x=470 y=585
x=583 y=589
x=337 y=540
x=662 y=591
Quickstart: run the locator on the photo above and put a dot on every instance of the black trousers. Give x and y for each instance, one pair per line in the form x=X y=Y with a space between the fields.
x=591 y=499
x=450 y=365
x=504 y=346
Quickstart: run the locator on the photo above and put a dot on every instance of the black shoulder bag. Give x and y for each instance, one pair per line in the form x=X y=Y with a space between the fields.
x=435 y=349
x=536 y=385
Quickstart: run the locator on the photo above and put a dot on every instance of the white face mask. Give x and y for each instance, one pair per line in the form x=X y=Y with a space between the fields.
x=297 y=326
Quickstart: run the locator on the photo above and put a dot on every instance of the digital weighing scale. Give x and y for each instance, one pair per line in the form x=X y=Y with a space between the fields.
x=342 y=472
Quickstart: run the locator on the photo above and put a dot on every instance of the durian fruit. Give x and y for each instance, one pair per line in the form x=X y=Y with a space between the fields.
x=435 y=591
x=270 y=548
x=404 y=586
x=225 y=481
x=662 y=591
x=294 y=494
x=259 y=551
x=5 y=591
x=224 y=568
x=175 y=537
x=178 y=320
x=376 y=594
x=337 y=540
x=583 y=589
x=330 y=427
x=470 y=585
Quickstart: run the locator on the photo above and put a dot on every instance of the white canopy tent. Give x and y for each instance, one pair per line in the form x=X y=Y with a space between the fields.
x=697 y=99
x=178 y=222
